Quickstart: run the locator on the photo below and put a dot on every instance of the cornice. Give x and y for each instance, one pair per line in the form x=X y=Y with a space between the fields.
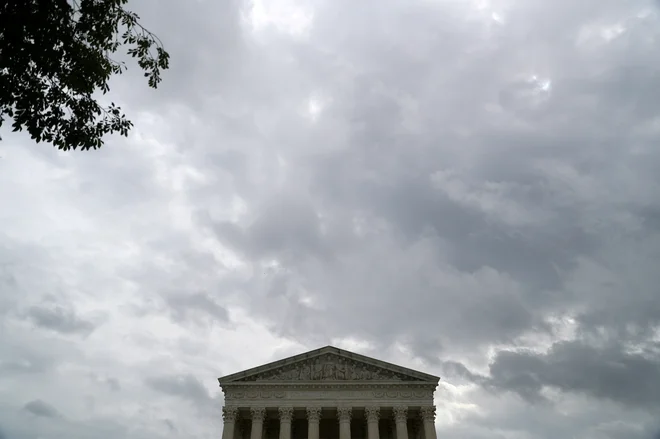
x=336 y=385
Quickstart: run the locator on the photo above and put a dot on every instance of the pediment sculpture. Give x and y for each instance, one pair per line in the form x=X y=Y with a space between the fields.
x=330 y=367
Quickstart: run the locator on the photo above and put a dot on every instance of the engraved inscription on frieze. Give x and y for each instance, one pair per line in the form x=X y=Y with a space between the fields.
x=331 y=368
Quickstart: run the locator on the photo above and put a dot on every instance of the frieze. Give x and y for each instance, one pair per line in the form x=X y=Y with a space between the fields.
x=329 y=367
x=265 y=394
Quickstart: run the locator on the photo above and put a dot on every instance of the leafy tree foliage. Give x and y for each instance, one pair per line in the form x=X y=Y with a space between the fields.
x=55 y=56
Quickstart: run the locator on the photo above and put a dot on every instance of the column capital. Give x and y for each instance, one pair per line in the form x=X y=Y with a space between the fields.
x=400 y=413
x=313 y=414
x=428 y=413
x=286 y=414
x=344 y=414
x=229 y=414
x=258 y=413
x=373 y=413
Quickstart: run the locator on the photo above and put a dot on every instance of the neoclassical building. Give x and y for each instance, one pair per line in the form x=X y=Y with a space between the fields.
x=329 y=393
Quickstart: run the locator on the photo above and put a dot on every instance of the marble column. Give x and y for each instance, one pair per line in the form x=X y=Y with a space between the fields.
x=286 y=414
x=401 y=419
x=428 y=418
x=258 y=415
x=392 y=425
x=313 y=418
x=229 y=416
x=373 y=415
x=344 y=416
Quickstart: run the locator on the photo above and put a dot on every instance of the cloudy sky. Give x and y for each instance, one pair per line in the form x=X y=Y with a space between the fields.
x=466 y=187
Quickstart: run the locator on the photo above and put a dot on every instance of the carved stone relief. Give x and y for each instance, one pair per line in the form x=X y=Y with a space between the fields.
x=330 y=367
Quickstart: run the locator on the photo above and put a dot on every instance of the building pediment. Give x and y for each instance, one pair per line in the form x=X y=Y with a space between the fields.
x=328 y=364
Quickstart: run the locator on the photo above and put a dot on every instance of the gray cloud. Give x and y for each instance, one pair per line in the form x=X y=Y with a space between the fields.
x=31 y=364
x=602 y=372
x=59 y=319
x=393 y=182
x=183 y=305
x=113 y=383
x=631 y=379
x=183 y=386
x=41 y=408
x=170 y=425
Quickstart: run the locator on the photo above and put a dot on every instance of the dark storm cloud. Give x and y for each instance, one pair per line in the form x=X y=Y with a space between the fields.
x=373 y=271
x=528 y=200
x=504 y=206
x=631 y=379
x=285 y=227
x=41 y=408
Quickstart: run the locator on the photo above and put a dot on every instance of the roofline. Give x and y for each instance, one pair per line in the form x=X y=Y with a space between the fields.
x=228 y=379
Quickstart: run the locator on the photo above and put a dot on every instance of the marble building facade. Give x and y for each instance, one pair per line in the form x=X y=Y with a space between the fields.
x=329 y=393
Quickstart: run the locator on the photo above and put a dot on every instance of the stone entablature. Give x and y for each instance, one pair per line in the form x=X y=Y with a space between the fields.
x=272 y=396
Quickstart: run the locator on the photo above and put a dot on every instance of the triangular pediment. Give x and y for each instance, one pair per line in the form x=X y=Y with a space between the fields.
x=328 y=364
